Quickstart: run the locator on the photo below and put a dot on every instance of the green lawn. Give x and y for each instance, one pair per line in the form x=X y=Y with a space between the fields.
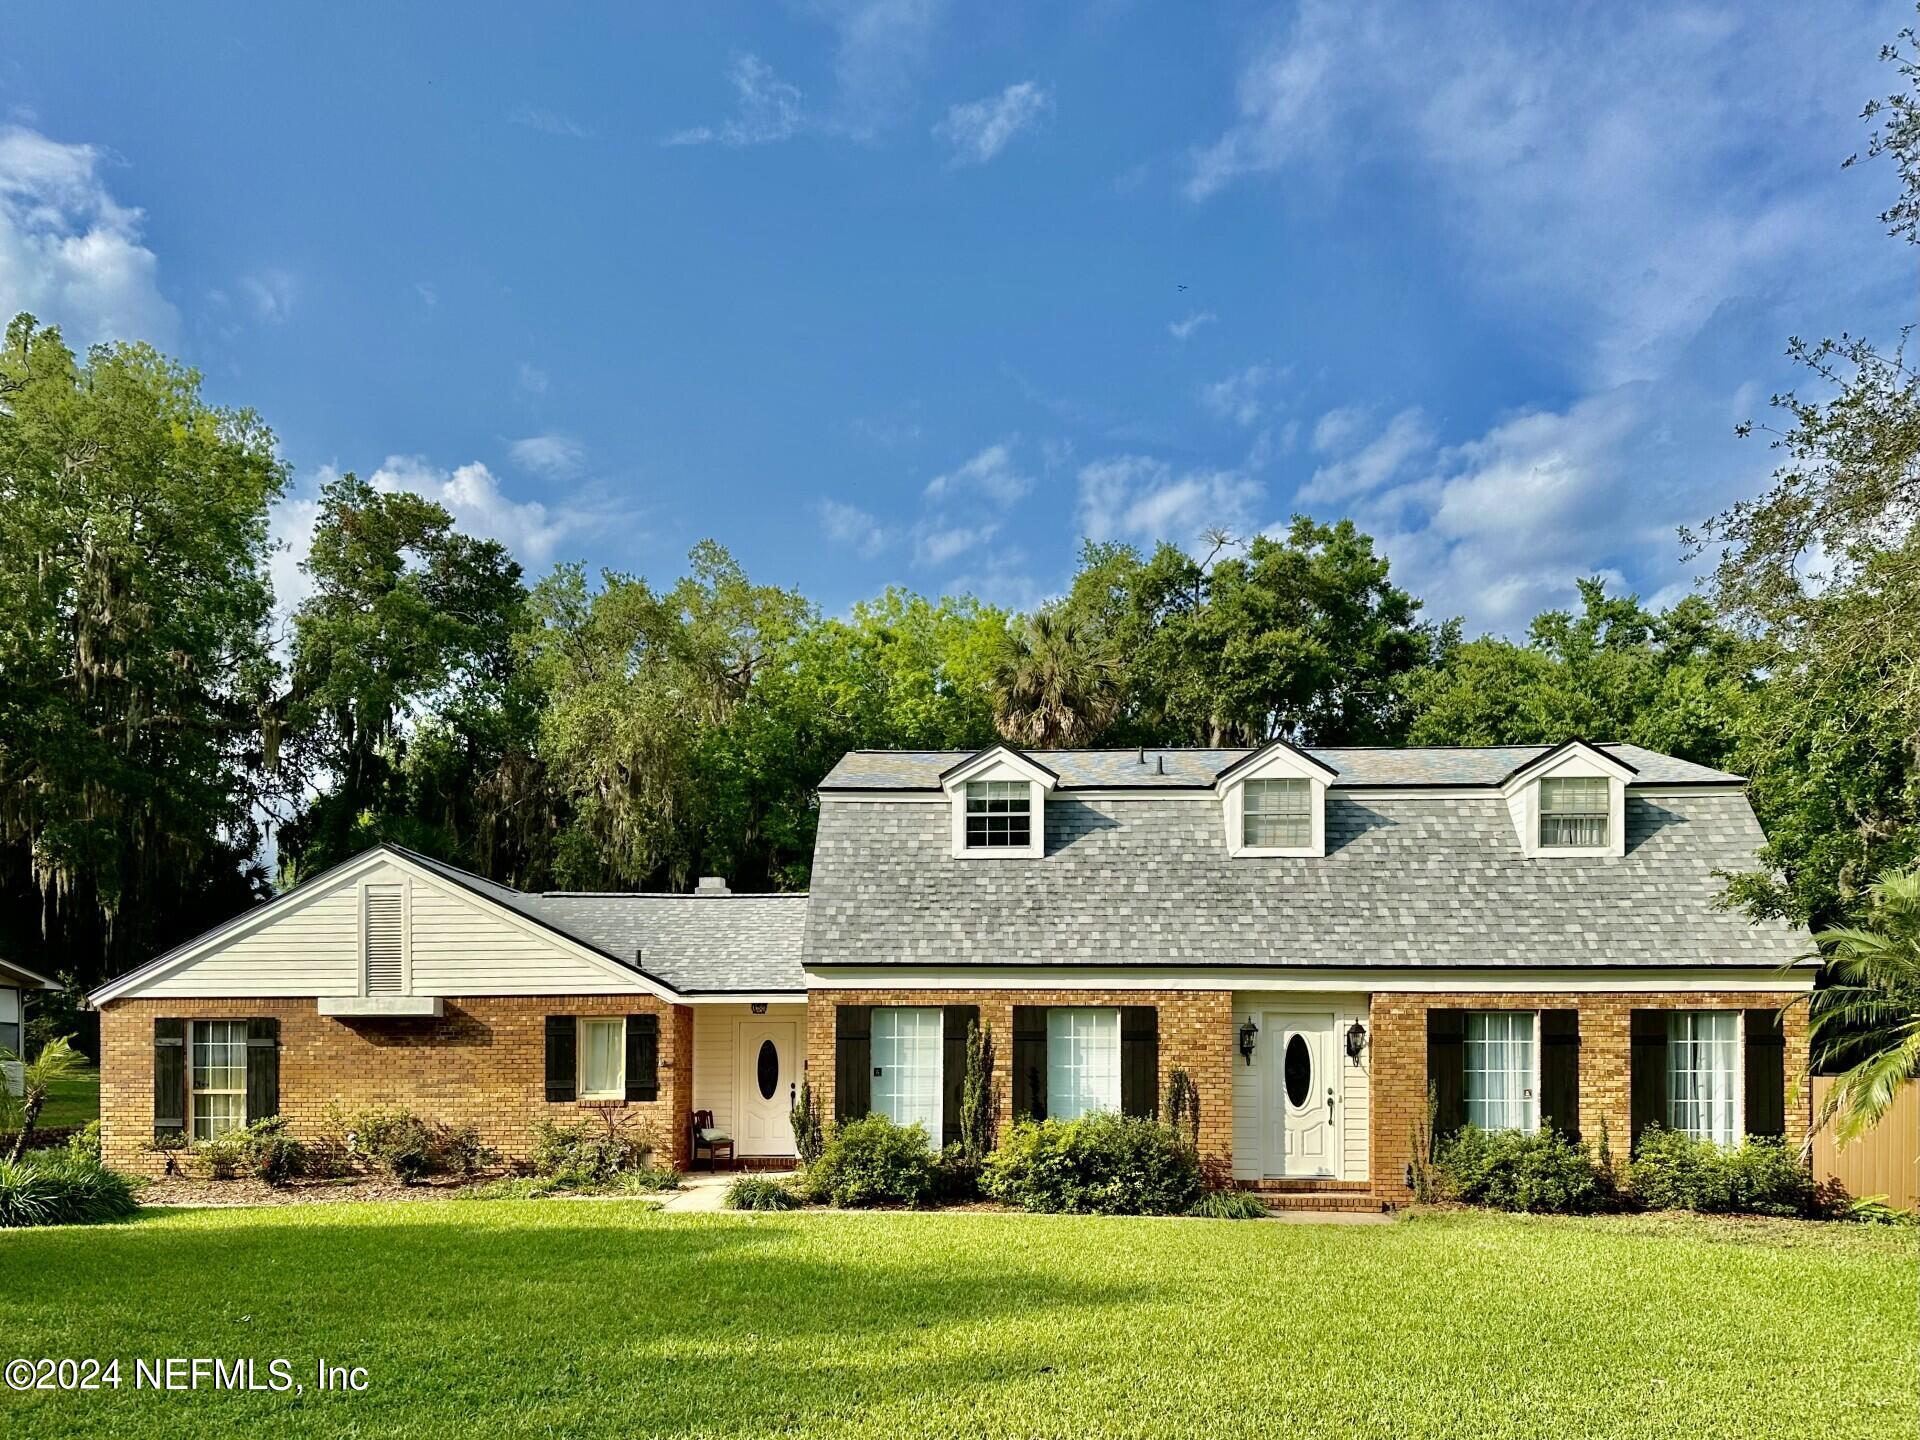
x=571 y=1317
x=73 y=1102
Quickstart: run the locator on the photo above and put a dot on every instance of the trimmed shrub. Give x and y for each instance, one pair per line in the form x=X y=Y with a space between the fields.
x=756 y=1192
x=875 y=1162
x=589 y=1154
x=56 y=1187
x=399 y=1144
x=1543 y=1173
x=1230 y=1205
x=1101 y=1164
x=263 y=1150
x=1673 y=1171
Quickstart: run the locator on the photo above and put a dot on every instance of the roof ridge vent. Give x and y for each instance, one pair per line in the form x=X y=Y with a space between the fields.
x=712 y=885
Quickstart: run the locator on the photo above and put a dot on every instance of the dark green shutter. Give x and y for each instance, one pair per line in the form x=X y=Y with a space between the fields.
x=1140 y=1060
x=954 y=1020
x=1766 y=1065
x=169 y=1078
x=852 y=1062
x=562 y=1038
x=643 y=1057
x=1029 y=1062
x=1560 y=1071
x=263 y=1069
x=1447 y=1068
x=1647 y=1094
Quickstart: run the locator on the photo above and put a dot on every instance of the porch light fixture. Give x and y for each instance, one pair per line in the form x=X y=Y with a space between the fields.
x=1247 y=1032
x=1356 y=1040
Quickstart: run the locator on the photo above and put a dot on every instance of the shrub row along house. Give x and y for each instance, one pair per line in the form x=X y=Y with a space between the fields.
x=1315 y=937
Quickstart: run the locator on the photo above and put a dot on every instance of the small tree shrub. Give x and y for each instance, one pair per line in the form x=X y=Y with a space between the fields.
x=1101 y=1164
x=958 y=1174
x=589 y=1154
x=264 y=1150
x=875 y=1162
x=756 y=1192
x=399 y=1144
x=1673 y=1171
x=979 y=1104
x=1182 y=1108
x=56 y=1187
x=84 y=1143
x=1543 y=1173
x=808 y=1137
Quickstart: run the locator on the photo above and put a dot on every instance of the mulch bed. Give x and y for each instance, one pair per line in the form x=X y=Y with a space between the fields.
x=186 y=1190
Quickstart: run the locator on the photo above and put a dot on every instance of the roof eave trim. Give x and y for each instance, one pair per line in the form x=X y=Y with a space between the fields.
x=1553 y=752
x=1253 y=757
x=1012 y=752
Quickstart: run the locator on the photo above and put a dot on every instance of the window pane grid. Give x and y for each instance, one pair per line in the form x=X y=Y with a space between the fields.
x=1277 y=814
x=1574 y=811
x=906 y=1063
x=1702 y=1068
x=1499 y=1070
x=1083 y=1061
x=219 y=1077
x=999 y=814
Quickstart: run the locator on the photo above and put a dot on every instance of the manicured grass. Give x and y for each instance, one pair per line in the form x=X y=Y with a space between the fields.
x=573 y=1317
x=73 y=1102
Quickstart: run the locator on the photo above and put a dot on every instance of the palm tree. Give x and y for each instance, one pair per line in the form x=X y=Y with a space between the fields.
x=1056 y=689
x=1867 y=1016
x=57 y=1061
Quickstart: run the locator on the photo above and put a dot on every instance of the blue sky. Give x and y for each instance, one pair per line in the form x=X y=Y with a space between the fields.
x=904 y=291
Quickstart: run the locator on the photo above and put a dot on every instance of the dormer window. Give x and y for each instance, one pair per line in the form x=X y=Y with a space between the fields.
x=1573 y=811
x=1279 y=814
x=999 y=815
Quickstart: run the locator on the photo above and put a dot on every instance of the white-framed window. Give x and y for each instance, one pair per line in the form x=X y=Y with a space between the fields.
x=1703 y=1074
x=999 y=815
x=1573 y=812
x=906 y=1066
x=1083 y=1061
x=1502 y=1070
x=1277 y=814
x=603 y=1058
x=217 y=1077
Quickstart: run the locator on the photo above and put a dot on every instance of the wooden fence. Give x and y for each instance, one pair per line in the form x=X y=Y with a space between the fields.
x=1884 y=1161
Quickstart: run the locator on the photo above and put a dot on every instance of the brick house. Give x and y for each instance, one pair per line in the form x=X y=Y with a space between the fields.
x=1315 y=937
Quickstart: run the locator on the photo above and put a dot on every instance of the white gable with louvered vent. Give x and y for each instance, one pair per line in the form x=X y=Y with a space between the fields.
x=386 y=931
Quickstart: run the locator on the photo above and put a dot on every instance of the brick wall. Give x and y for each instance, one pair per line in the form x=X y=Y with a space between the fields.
x=1399 y=1055
x=483 y=1064
x=1196 y=1035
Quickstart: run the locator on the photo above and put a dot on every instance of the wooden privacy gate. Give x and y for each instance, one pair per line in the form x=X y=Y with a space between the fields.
x=1884 y=1161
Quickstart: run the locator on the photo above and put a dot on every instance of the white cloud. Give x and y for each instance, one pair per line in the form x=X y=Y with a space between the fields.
x=71 y=253
x=549 y=122
x=1140 y=499
x=853 y=527
x=936 y=542
x=881 y=48
x=429 y=294
x=980 y=129
x=472 y=495
x=766 y=110
x=991 y=473
x=1336 y=430
x=553 y=455
x=290 y=527
x=1407 y=437
x=271 y=293
x=531 y=378
x=1183 y=329
x=1241 y=397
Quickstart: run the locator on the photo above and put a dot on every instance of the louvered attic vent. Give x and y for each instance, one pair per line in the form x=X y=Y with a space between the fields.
x=383 y=961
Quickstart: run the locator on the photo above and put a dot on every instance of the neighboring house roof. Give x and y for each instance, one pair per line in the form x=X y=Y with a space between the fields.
x=1355 y=767
x=13 y=975
x=1407 y=880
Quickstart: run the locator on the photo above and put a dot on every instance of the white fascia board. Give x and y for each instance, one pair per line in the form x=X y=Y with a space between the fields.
x=998 y=763
x=1590 y=979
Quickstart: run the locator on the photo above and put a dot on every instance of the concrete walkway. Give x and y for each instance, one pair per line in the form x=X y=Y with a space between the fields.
x=703 y=1193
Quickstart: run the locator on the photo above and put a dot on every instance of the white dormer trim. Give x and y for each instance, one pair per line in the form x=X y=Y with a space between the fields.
x=1572 y=758
x=1000 y=762
x=1278 y=761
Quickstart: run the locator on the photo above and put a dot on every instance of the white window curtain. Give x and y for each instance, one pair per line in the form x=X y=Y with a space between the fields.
x=1703 y=1073
x=1502 y=1086
x=1083 y=1061
x=906 y=1065
x=603 y=1053
x=1573 y=811
x=219 y=1077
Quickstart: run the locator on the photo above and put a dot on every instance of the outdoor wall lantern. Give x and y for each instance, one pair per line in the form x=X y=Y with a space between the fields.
x=1247 y=1032
x=1356 y=1040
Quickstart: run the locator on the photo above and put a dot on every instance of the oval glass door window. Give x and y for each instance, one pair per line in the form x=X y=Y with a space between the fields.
x=769 y=1064
x=1299 y=1070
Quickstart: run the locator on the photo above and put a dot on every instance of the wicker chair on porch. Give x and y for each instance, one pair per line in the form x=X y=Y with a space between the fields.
x=705 y=1137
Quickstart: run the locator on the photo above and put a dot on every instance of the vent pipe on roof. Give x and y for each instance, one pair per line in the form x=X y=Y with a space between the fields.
x=1143 y=754
x=1159 y=764
x=712 y=885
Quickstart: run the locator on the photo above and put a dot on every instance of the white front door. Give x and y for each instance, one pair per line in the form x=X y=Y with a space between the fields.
x=764 y=1087
x=1302 y=1123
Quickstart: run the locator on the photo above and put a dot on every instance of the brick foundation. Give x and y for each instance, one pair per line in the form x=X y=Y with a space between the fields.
x=482 y=1064
x=1399 y=1056
x=1196 y=1035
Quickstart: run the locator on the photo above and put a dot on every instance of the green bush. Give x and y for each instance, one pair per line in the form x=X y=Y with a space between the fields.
x=756 y=1192
x=84 y=1143
x=264 y=1150
x=1673 y=1171
x=56 y=1187
x=1543 y=1173
x=1101 y=1164
x=875 y=1162
x=399 y=1144
x=592 y=1153
x=957 y=1174
x=808 y=1138
x=1230 y=1205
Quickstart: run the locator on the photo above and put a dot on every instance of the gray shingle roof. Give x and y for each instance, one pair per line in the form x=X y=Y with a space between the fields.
x=1434 y=881
x=1188 y=769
